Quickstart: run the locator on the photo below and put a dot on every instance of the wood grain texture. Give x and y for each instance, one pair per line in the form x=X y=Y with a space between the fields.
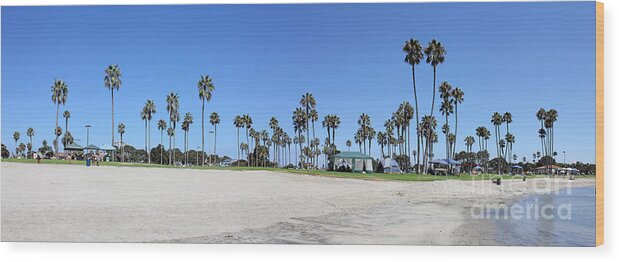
x=599 y=124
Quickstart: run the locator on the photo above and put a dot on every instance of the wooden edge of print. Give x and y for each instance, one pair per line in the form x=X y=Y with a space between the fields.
x=599 y=124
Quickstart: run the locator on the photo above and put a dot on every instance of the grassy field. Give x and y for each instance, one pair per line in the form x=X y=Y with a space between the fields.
x=393 y=177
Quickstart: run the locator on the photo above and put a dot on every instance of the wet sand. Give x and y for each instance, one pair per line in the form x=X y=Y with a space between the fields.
x=63 y=203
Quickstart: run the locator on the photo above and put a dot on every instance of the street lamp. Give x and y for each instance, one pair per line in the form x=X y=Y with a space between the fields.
x=197 y=150
x=564 y=157
x=87 y=134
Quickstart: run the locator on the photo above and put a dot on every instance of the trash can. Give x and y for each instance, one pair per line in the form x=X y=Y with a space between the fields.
x=87 y=162
x=498 y=181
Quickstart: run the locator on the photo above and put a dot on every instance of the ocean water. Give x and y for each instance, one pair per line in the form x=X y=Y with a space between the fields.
x=573 y=224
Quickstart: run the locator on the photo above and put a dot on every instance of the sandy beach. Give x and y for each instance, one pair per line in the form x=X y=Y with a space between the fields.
x=68 y=203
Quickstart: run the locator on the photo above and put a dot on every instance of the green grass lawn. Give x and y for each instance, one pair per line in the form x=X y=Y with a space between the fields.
x=385 y=177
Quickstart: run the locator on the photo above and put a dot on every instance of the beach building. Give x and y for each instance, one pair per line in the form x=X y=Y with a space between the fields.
x=542 y=170
x=356 y=162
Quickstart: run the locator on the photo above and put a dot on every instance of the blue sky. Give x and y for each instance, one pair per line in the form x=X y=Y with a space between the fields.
x=514 y=57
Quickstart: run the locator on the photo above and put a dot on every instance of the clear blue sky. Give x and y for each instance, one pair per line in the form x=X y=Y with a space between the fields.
x=513 y=57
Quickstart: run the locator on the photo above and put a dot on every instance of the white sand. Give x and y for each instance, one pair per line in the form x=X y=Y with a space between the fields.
x=128 y=204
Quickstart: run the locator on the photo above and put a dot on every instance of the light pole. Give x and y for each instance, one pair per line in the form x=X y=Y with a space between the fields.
x=564 y=157
x=198 y=149
x=87 y=134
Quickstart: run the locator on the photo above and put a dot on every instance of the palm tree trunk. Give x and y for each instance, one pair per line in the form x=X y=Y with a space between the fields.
x=456 y=131
x=161 y=149
x=215 y=143
x=113 y=154
x=170 y=149
x=57 y=110
x=148 y=147
x=238 y=148
x=433 y=92
x=202 y=164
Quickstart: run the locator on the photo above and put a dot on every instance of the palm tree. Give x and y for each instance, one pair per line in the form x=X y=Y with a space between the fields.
x=205 y=92
x=371 y=134
x=364 y=125
x=16 y=136
x=172 y=108
x=161 y=125
x=428 y=124
x=144 y=117
x=469 y=141
x=121 y=131
x=510 y=139
x=274 y=125
x=414 y=54
x=435 y=55
x=66 y=116
x=309 y=103
x=30 y=134
x=170 y=135
x=60 y=91
x=247 y=123
x=348 y=144
x=238 y=123
x=458 y=98
x=446 y=109
x=150 y=109
x=299 y=121
x=497 y=120
x=214 y=120
x=381 y=139
x=112 y=81
x=188 y=120
x=67 y=139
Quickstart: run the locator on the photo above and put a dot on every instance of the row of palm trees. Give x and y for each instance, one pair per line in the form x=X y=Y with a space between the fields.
x=306 y=114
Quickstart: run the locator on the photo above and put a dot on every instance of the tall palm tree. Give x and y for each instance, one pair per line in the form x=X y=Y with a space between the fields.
x=313 y=116
x=247 y=123
x=381 y=139
x=60 y=91
x=510 y=139
x=428 y=125
x=16 y=136
x=121 y=131
x=469 y=141
x=274 y=125
x=30 y=134
x=238 y=123
x=435 y=55
x=446 y=109
x=170 y=135
x=371 y=134
x=214 y=120
x=205 y=92
x=299 y=121
x=308 y=102
x=150 y=109
x=187 y=120
x=161 y=125
x=414 y=54
x=144 y=117
x=348 y=144
x=335 y=124
x=112 y=81
x=172 y=108
x=364 y=125
x=66 y=116
x=458 y=97
x=497 y=120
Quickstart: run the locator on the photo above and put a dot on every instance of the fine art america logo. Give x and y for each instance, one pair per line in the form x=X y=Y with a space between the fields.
x=539 y=207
